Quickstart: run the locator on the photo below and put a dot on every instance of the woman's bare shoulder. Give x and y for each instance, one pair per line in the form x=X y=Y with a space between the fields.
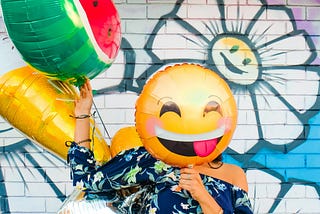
x=237 y=175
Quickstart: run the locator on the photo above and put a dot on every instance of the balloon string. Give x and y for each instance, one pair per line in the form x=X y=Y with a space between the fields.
x=105 y=129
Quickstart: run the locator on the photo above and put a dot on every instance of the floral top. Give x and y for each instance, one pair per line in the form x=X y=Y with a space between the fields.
x=137 y=166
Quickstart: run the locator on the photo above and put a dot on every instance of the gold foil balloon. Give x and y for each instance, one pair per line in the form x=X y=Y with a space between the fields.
x=40 y=109
x=124 y=139
x=186 y=114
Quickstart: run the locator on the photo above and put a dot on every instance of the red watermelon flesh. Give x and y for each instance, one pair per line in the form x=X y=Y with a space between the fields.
x=104 y=22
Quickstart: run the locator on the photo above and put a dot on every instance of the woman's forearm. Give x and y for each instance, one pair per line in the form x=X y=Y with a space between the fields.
x=82 y=132
x=82 y=115
x=209 y=205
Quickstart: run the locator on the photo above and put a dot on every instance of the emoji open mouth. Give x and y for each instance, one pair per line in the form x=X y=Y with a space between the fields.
x=200 y=145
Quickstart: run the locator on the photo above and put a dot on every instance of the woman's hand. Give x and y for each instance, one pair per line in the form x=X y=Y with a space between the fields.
x=84 y=103
x=191 y=181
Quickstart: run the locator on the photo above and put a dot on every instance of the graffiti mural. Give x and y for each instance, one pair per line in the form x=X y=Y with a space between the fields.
x=269 y=58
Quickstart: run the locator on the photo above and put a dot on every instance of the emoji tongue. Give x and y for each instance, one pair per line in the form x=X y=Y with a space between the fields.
x=204 y=147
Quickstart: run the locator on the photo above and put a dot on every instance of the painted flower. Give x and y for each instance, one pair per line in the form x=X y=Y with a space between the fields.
x=259 y=51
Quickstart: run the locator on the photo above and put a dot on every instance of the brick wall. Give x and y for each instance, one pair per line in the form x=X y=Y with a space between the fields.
x=277 y=138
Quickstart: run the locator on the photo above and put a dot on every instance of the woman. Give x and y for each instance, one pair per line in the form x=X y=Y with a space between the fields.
x=208 y=188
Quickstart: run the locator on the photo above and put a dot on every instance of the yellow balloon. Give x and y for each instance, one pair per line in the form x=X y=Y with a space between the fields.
x=186 y=115
x=124 y=139
x=40 y=109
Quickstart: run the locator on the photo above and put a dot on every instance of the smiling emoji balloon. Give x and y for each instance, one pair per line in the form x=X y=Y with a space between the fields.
x=186 y=115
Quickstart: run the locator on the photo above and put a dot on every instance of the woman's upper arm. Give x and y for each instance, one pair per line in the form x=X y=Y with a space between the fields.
x=239 y=178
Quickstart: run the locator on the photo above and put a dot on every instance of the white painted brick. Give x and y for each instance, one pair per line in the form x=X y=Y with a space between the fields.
x=113 y=128
x=231 y=2
x=140 y=26
x=301 y=205
x=272 y=117
x=250 y=12
x=113 y=115
x=137 y=41
x=142 y=56
x=12 y=140
x=161 y=1
x=246 y=132
x=311 y=192
x=196 y=1
x=42 y=160
x=58 y=174
x=272 y=190
x=15 y=189
x=262 y=206
x=136 y=1
x=121 y=100
x=13 y=159
x=14 y=133
x=296 y=191
x=99 y=102
x=27 y=204
x=174 y=27
x=132 y=11
x=260 y=177
x=300 y=87
x=203 y=11
x=130 y=115
x=23 y=174
x=169 y=41
x=2 y=25
x=53 y=205
x=156 y=11
x=188 y=54
x=116 y=2
x=43 y=189
x=274 y=132
x=277 y=15
x=242 y=146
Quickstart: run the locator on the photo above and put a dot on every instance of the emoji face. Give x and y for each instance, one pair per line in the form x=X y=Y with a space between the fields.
x=236 y=60
x=186 y=114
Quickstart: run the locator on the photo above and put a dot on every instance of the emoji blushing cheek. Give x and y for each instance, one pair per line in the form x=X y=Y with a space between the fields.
x=226 y=122
x=151 y=123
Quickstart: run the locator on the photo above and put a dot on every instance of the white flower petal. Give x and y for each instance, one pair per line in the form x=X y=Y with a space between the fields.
x=240 y=16
x=177 y=36
x=268 y=23
x=174 y=45
x=295 y=200
x=290 y=50
x=297 y=86
x=263 y=189
x=205 y=19
x=246 y=134
x=279 y=125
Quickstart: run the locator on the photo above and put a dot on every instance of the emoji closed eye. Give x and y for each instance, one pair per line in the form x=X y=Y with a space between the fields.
x=170 y=107
x=212 y=106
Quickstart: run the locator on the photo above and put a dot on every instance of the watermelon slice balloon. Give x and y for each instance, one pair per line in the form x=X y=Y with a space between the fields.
x=68 y=40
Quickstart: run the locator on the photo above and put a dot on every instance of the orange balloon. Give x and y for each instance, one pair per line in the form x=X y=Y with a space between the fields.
x=40 y=109
x=186 y=115
x=124 y=139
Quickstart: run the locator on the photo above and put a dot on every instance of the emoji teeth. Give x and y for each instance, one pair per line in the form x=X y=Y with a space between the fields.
x=164 y=134
x=205 y=147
